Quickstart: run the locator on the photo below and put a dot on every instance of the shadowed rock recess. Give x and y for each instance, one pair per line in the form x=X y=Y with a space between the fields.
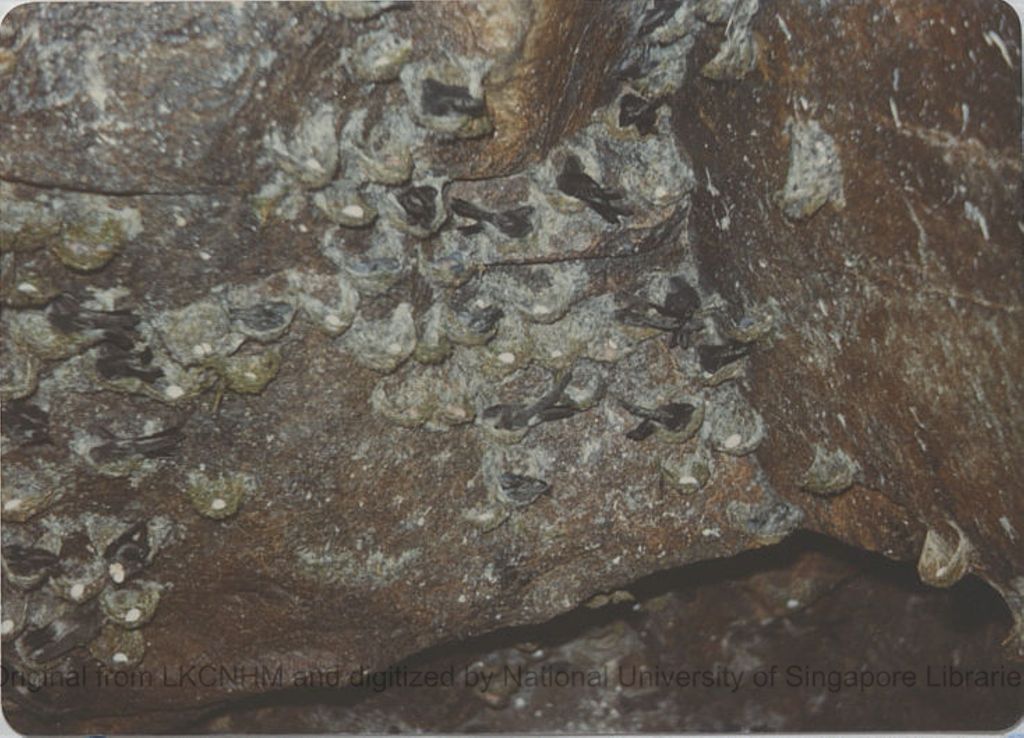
x=354 y=335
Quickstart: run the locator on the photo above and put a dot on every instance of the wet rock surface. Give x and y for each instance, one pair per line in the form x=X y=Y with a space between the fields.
x=347 y=348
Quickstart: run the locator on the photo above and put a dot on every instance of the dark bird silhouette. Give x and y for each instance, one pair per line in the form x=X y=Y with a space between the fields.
x=681 y=302
x=657 y=15
x=574 y=182
x=442 y=99
x=25 y=422
x=117 y=362
x=159 y=445
x=419 y=206
x=67 y=315
x=28 y=561
x=672 y=416
x=554 y=405
x=675 y=315
x=638 y=112
x=520 y=489
x=514 y=223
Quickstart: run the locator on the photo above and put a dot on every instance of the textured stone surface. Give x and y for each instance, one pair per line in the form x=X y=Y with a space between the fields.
x=805 y=602
x=901 y=304
x=347 y=359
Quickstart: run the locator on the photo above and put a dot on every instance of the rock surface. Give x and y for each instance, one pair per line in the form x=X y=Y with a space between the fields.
x=321 y=350
x=806 y=603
